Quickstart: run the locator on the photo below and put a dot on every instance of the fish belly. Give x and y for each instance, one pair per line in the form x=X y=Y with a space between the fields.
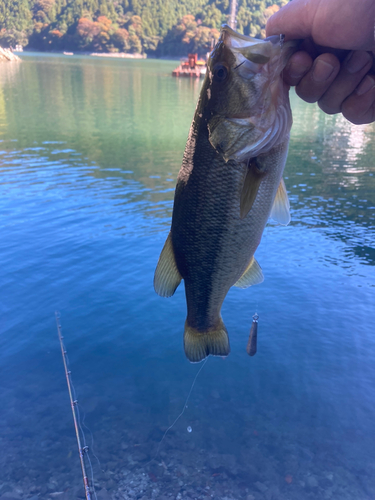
x=212 y=244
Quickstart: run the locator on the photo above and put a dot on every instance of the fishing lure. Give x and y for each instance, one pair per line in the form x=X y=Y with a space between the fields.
x=251 y=348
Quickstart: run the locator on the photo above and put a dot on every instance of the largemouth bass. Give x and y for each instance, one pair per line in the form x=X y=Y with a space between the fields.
x=229 y=184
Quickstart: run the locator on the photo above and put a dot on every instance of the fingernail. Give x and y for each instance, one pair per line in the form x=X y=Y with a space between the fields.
x=297 y=70
x=322 y=71
x=366 y=84
x=357 y=60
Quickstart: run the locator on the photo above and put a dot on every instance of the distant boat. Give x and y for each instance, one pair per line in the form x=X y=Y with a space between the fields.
x=192 y=67
x=68 y=53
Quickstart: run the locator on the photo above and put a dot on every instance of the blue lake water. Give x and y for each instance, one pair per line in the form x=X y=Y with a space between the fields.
x=89 y=154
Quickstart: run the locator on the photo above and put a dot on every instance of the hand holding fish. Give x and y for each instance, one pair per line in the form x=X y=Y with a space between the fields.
x=336 y=66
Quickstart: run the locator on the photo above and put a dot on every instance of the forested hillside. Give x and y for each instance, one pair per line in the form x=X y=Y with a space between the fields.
x=157 y=27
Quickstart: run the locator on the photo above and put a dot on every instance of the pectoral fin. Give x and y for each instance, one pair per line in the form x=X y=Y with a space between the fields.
x=250 y=187
x=252 y=276
x=167 y=277
x=280 y=210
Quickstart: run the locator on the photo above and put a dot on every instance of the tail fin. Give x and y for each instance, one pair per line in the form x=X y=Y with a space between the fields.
x=198 y=345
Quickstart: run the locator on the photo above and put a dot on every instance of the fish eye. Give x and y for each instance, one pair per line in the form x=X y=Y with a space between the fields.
x=220 y=73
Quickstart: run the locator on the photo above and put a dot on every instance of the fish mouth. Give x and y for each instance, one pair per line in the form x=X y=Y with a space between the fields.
x=227 y=31
x=258 y=51
x=236 y=38
x=264 y=118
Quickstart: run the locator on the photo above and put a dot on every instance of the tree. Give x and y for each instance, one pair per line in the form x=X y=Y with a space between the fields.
x=87 y=32
x=44 y=5
x=189 y=35
x=120 y=39
x=135 y=43
x=160 y=27
x=11 y=38
x=102 y=40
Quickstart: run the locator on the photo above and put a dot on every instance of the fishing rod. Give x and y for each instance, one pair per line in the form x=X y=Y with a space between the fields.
x=232 y=17
x=73 y=403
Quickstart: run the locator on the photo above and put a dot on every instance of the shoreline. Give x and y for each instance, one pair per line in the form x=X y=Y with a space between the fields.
x=121 y=55
x=7 y=55
x=116 y=55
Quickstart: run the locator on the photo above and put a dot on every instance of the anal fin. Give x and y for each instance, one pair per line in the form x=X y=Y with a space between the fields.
x=167 y=277
x=252 y=276
x=280 y=209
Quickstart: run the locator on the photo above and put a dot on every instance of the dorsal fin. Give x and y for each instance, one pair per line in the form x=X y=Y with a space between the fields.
x=252 y=276
x=167 y=277
x=280 y=209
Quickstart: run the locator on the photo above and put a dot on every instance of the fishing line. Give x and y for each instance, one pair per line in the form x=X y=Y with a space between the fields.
x=87 y=448
x=92 y=441
x=251 y=347
x=81 y=422
x=182 y=412
x=83 y=450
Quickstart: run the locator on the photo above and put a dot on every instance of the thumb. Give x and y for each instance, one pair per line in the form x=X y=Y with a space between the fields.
x=294 y=20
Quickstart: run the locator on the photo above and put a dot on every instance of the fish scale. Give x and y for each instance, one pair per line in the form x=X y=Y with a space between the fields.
x=227 y=188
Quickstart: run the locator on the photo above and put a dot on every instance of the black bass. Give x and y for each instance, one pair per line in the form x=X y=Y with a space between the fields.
x=229 y=184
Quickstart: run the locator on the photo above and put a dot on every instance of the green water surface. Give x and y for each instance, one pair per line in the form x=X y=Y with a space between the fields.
x=90 y=151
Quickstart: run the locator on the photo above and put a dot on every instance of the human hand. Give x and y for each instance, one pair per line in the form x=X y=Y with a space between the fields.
x=335 y=66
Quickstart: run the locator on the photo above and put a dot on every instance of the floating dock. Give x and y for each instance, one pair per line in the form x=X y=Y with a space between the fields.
x=192 y=67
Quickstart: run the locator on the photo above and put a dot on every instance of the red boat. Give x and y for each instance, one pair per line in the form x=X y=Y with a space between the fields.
x=192 y=67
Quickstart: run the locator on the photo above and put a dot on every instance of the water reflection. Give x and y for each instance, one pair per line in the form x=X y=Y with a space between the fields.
x=331 y=179
x=88 y=160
